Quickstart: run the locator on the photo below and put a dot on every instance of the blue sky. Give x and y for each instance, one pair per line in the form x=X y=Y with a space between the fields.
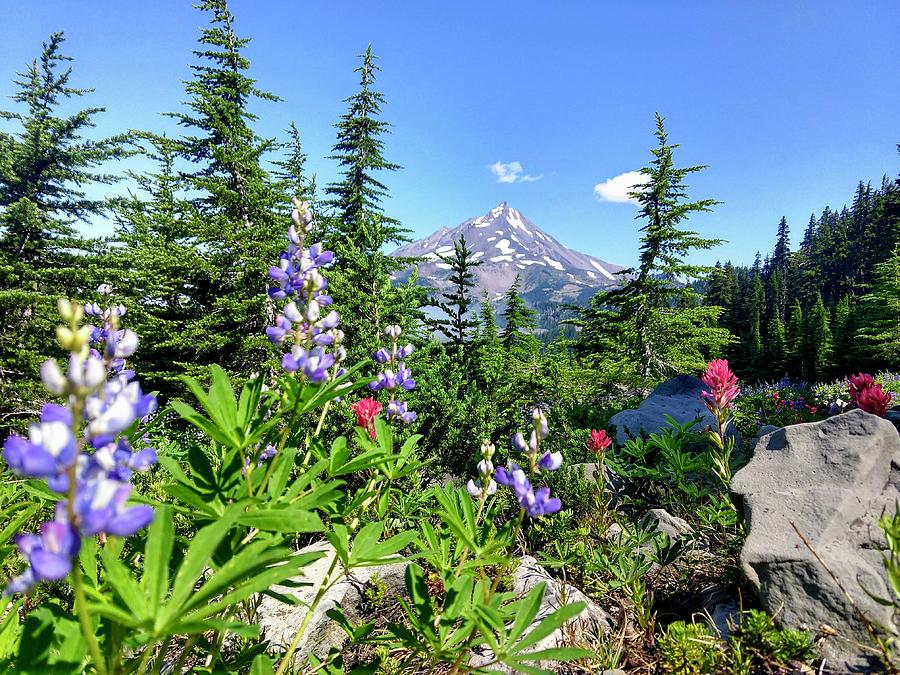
x=790 y=103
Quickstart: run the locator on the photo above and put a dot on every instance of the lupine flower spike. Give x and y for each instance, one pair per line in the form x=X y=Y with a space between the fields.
x=92 y=474
x=486 y=486
x=311 y=335
x=538 y=502
x=395 y=376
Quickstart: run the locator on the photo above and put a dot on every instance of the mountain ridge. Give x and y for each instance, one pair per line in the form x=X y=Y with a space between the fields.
x=507 y=243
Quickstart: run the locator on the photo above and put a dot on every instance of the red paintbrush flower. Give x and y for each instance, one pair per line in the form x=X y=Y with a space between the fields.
x=366 y=409
x=599 y=441
x=722 y=385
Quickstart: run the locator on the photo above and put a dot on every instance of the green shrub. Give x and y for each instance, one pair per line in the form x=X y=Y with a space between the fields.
x=689 y=649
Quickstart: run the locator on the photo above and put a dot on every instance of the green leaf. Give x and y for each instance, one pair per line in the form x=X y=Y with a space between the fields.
x=550 y=624
x=282 y=472
x=157 y=555
x=124 y=584
x=526 y=609
x=262 y=665
x=196 y=559
x=282 y=520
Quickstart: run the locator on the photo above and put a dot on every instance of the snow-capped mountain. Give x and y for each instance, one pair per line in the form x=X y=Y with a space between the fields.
x=507 y=243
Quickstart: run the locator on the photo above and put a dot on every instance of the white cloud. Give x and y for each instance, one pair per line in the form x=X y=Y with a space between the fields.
x=511 y=172
x=616 y=189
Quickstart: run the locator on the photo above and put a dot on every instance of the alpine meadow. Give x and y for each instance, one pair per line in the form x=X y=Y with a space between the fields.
x=341 y=366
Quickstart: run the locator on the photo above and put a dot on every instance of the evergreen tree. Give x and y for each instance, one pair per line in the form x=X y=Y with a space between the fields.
x=162 y=264
x=517 y=336
x=795 y=337
x=818 y=345
x=489 y=357
x=667 y=332
x=292 y=170
x=359 y=230
x=456 y=327
x=235 y=223
x=880 y=330
x=45 y=165
x=844 y=334
x=775 y=348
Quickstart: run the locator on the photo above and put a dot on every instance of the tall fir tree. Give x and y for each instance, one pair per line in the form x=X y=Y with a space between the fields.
x=358 y=229
x=667 y=330
x=519 y=323
x=818 y=345
x=456 y=326
x=161 y=264
x=46 y=162
x=880 y=329
x=795 y=338
x=238 y=216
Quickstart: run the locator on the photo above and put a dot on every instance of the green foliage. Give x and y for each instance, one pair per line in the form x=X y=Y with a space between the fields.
x=654 y=317
x=456 y=327
x=47 y=166
x=689 y=649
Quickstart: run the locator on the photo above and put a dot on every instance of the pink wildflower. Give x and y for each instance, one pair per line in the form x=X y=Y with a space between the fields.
x=599 y=441
x=722 y=384
x=366 y=409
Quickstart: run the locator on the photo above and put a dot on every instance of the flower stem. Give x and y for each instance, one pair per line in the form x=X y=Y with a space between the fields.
x=326 y=584
x=84 y=620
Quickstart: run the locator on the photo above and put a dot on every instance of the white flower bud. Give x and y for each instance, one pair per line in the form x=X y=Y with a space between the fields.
x=52 y=377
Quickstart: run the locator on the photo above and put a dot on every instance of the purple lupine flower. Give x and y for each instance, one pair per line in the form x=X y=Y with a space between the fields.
x=301 y=326
x=550 y=461
x=395 y=376
x=474 y=488
x=49 y=449
x=49 y=555
x=540 y=503
x=110 y=401
x=268 y=453
x=398 y=409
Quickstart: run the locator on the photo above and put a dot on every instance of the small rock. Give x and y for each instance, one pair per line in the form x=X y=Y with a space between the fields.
x=665 y=522
x=582 y=630
x=280 y=621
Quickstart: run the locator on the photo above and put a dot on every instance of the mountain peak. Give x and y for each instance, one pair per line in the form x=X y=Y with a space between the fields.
x=507 y=244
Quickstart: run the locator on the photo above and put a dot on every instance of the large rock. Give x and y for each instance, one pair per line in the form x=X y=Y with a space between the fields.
x=833 y=479
x=279 y=621
x=678 y=397
x=583 y=630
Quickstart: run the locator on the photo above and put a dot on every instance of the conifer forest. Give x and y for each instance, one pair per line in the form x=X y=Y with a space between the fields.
x=254 y=424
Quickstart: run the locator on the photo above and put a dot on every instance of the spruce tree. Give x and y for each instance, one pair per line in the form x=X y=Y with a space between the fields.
x=818 y=345
x=239 y=212
x=880 y=330
x=457 y=327
x=45 y=165
x=795 y=337
x=844 y=335
x=666 y=331
x=292 y=170
x=775 y=349
x=489 y=357
x=519 y=322
x=161 y=264
x=358 y=230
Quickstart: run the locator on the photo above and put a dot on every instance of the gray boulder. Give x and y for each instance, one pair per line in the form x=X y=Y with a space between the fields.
x=832 y=479
x=279 y=621
x=678 y=397
x=581 y=631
